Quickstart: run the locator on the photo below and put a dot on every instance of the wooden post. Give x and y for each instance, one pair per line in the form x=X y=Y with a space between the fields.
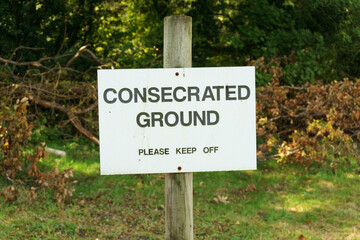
x=178 y=186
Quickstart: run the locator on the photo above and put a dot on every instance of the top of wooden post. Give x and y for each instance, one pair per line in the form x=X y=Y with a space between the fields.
x=177 y=41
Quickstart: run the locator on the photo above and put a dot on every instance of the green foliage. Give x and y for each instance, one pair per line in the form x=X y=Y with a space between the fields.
x=125 y=36
x=53 y=26
x=315 y=39
x=43 y=133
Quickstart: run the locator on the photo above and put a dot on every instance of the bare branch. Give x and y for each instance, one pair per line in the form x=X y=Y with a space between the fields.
x=35 y=63
x=77 y=54
x=72 y=117
x=86 y=110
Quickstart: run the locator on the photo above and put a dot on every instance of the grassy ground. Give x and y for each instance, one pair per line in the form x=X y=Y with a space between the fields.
x=270 y=203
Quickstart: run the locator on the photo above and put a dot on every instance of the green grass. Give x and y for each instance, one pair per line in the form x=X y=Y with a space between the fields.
x=286 y=204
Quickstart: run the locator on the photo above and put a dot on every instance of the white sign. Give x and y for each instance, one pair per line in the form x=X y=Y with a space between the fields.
x=170 y=120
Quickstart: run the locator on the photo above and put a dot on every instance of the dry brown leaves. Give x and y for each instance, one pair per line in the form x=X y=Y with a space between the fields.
x=15 y=132
x=9 y=193
x=309 y=124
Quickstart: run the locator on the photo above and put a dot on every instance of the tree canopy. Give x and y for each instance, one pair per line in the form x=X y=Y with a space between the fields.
x=309 y=39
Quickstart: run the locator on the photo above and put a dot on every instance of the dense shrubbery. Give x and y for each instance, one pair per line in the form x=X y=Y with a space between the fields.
x=302 y=124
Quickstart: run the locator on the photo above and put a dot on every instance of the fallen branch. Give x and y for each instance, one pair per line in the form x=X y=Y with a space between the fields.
x=34 y=63
x=79 y=52
x=37 y=63
x=71 y=115
x=86 y=110
x=76 y=55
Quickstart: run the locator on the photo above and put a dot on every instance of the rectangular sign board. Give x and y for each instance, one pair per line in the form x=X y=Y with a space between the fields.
x=171 y=120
